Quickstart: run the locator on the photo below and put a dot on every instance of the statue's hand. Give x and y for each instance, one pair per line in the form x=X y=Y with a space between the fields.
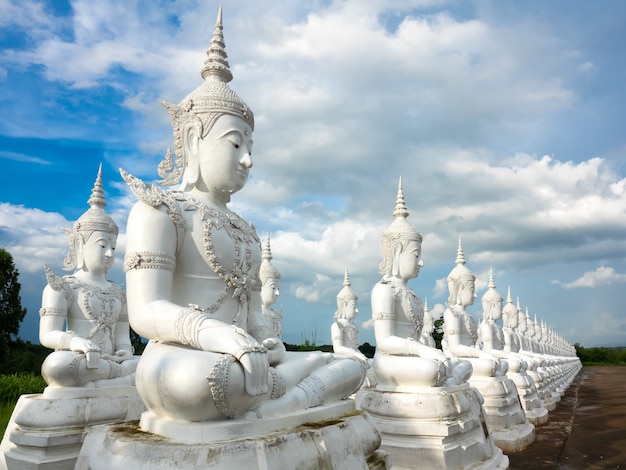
x=275 y=349
x=78 y=344
x=119 y=356
x=361 y=357
x=256 y=371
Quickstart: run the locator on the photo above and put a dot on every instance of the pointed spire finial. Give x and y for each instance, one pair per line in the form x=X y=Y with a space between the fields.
x=492 y=283
x=519 y=306
x=400 y=209
x=216 y=65
x=97 y=194
x=460 y=259
x=509 y=299
x=426 y=305
x=346 y=278
x=267 y=251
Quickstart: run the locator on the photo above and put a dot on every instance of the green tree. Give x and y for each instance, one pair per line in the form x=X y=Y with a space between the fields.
x=11 y=311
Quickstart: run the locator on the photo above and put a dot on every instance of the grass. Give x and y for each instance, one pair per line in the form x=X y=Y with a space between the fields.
x=11 y=387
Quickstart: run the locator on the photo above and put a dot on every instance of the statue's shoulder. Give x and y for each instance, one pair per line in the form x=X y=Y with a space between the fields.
x=155 y=197
x=59 y=284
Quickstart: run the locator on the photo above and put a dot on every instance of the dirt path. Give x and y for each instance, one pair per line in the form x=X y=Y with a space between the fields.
x=587 y=430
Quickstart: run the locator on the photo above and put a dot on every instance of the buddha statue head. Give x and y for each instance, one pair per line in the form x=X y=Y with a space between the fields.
x=402 y=244
x=461 y=282
x=537 y=328
x=492 y=301
x=530 y=325
x=270 y=277
x=346 y=300
x=509 y=312
x=196 y=116
x=521 y=319
x=93 y=237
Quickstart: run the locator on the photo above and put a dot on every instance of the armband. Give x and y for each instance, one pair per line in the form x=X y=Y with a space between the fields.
x=149 y=260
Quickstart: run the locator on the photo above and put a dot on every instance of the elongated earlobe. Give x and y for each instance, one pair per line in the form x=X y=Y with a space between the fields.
x=191 y=141
x=80 y=259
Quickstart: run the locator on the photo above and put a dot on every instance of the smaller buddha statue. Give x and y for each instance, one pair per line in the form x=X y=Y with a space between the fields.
x=94 y=350
x=490 y=336
x=270 y=285
x=401 y=358
x=460 y=331
x=344 y=332
x=428 y=328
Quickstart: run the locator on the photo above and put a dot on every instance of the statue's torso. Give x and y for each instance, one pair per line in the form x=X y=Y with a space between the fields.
x=94 y=311
x=218 y=261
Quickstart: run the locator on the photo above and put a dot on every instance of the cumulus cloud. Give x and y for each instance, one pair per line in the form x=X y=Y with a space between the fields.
x=348 y=96
x=602 y=276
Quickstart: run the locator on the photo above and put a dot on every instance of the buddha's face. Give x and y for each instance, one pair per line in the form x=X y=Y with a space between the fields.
x=467 y=294
x=522 y=324
x=410 y=260
x=513 y=321
x=224 y=155
x=99 y=252
x=269 y=291
x=350 y=310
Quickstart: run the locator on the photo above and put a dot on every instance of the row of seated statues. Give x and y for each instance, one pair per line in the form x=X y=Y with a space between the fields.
x=201 y=288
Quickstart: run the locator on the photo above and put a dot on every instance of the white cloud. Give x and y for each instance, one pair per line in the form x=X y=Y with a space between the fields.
x=602 y=276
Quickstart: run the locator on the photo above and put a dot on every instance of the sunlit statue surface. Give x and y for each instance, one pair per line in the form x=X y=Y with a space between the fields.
x=490 y=336
x=425 y=409
x=83 y=315
x=428 y=328
x=401 y=359
x=270 y=290
x=344 y=332
x=192 y=270
x=460 y=330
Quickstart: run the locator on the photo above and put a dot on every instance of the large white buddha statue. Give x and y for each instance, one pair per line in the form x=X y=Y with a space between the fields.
x=459 y=327
x=83 y=315
x=344 y=332
x=490 y=336
x=401 y=359
x=428 y=328
x=270 y=290
x=192 y=272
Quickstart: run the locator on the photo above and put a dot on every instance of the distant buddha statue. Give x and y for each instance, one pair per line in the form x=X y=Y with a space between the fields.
x=490 y=336
x=511 y=340
x=270 y=285
x=192 y=271
x=344 y=332
x=401 y=358
x=460 y=331
x=83 y=315
x=428 y=328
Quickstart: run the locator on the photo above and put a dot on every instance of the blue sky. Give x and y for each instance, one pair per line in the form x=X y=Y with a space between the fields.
x=505 y=120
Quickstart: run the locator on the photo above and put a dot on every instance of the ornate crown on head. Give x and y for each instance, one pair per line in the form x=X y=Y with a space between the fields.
x=492 y=295
x=346 y=293
x=399 y=231
x=94 y=219
x=461 y=272
x=509 y=312
x=208 y=102
x=267 y=270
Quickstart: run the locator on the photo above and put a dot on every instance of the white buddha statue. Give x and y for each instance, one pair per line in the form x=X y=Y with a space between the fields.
x=428 y=328
x=344 y=332
x=459 y=327
x=401 y=359
x=270 y=285
x=490 y=336
x=83 y=315
x=192 y=271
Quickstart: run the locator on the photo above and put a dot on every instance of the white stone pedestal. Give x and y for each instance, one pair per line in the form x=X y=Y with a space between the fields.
x=536 y=413
x=433 y=427
x=512 y=432
x=334 y=436
x=46 y=431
